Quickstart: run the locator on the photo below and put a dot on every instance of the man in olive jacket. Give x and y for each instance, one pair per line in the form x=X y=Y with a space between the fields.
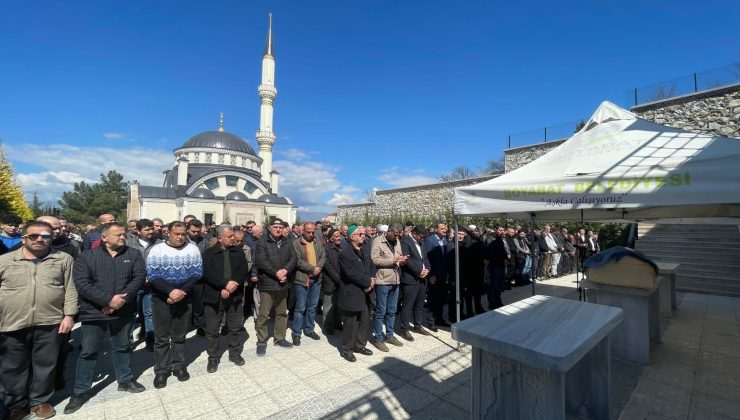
x=224 y=271
x=276 y=262
x=310 y=260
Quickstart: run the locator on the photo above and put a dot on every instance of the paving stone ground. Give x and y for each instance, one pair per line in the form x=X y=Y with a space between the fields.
x=695 y=373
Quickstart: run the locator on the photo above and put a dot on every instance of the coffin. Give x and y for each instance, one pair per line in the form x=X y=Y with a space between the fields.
x=620 y=266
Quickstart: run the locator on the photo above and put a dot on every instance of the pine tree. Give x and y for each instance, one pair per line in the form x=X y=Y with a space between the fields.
x=36 y=208
x=88 y=201
x=12 y=200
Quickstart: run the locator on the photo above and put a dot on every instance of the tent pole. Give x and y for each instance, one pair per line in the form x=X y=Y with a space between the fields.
x=532 y=270
x=578 y=283
x=457 y=270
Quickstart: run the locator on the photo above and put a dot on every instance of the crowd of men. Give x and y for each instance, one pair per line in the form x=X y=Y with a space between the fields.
x=170 y=279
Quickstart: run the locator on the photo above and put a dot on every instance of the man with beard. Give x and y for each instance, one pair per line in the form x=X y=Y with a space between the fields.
x=330 y=282
x=413 y=282
x=386 y=254
x=356 y=284
x=108 y=279
x=472 y=271
x=310 y=261
x=497 y=257
x=144 y=241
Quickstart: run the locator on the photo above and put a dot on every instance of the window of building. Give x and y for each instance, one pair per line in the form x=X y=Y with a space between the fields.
x=231 y=180
x=208 y=219
x=249 y=187
x=220 y=158
x=211 y=183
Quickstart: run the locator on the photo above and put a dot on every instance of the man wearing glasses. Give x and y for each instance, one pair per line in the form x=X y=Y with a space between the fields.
x=275 y=262
x=39 y=301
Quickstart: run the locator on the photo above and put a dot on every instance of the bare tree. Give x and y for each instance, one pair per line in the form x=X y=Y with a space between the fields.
x=369 y=195
x=494 y=166
x=461 y=172
x=662 y=91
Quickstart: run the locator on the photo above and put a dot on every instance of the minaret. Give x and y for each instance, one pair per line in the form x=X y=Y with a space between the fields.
x=267 y=93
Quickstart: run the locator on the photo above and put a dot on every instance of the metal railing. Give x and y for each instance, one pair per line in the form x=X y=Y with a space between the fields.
x=540 y=135
x=695 y=82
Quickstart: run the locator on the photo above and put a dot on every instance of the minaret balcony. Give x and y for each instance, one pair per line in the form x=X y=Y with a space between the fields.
x=264 y=136
x=267 y=91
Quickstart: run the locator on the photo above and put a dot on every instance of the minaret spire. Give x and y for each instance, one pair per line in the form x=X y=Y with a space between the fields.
x=221 y=122
x=268 y=44
x=267 y=93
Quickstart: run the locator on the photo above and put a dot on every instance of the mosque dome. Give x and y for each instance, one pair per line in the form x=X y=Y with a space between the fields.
x=237 y=195
x=273 y=199
x=219 y=140
x=202 y=193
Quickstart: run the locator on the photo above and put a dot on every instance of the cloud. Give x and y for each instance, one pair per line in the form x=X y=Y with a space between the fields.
x=61 y=165
x=396 y=179
x=306 y=183
x=338 y=199
x=295 y=154
x=115 y=136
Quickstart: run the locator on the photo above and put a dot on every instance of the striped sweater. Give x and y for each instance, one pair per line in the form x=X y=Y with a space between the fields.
x=169 y=268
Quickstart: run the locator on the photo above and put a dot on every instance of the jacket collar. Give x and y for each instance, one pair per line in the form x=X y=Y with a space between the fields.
x=19 y=256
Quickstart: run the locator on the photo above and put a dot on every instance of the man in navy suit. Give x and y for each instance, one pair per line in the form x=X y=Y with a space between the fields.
x=436 y=245
x=413 y=282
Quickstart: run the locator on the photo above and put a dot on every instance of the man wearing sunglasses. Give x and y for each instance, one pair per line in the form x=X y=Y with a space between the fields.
x=39 y=301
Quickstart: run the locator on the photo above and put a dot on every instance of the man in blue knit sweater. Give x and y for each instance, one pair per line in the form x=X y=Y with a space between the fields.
x=173 y=267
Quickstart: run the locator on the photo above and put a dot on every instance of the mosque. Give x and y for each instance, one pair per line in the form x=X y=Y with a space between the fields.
x=217 y=177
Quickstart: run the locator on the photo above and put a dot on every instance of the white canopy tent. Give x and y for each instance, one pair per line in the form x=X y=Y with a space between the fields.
x=618 y=168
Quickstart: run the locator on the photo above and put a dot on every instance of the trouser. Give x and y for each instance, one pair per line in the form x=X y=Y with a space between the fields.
x=28 y=361
x=554 y=264
x=354 y=334
x=385 y=310
x=546 y=262
x=170 y=328
x=197 y=305
x=93 y=334
x=437 y=296
x=331 y=313
x=248 y=300
x=268 y=299
x=232 y=310
x=497 y=278
x=306 y=301
x=255 y=303
x=144 y=310
x=412 y=305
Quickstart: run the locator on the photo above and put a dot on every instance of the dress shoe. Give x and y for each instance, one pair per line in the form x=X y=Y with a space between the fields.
x=43 y=411
x=212 y=366
x=421 y=330
x=75 y=403
x=237 y=359
x=160 y=380
x=313 y=335
x=17 y=413
x=364 y=351
x=380 y=346
x=261 y=351
x=394 y=341
x=201 y=332
x=432 y=328
x=181 y=374
x=407 y=336
x=442 y=323
x=296 y=340
x=349 y=357
x=283 y=343
x=131 y=386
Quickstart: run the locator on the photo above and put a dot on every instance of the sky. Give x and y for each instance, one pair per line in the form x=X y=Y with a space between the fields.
x=371 y=94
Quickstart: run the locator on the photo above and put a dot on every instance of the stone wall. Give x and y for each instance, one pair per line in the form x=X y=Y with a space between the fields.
x=517 y=157
x=715 y=111
x=431 y=201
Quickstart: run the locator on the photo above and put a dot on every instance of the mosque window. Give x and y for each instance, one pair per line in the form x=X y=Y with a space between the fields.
x=231 y=180
x=211 y=183
x=220 y=158
x=249 y=187
x=208 y=158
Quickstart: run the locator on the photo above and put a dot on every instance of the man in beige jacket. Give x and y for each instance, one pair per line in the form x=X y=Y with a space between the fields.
x=386 y=254
x=38 y=302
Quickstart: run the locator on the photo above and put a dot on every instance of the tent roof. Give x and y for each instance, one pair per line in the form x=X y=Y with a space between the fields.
x=618 y=167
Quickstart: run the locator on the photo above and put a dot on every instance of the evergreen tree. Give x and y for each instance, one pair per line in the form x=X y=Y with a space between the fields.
x=36 y=208
x=12 y=200
x=88 y=201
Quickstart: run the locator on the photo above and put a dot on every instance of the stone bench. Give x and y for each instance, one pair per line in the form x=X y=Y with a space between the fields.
x=633 y=339
x=540 y=358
